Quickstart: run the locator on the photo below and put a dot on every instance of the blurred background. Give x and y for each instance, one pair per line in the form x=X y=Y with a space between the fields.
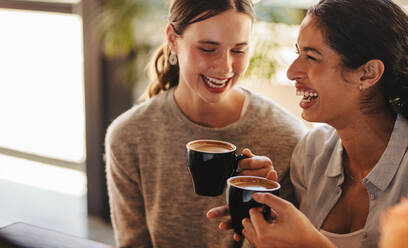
x=67 y=69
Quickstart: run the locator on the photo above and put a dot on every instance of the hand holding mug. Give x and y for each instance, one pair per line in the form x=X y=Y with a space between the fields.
x=239 y=199
x=290 y=228
x=260 y=166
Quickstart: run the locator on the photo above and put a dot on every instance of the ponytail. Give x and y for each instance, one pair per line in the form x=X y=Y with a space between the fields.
x=165 y=76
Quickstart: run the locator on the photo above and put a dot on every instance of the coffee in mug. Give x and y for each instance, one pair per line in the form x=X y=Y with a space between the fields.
x=239 y=197
x=211 y=163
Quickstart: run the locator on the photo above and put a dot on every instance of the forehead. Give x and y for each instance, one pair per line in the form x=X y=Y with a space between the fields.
x=228 y=25
x=311 y=34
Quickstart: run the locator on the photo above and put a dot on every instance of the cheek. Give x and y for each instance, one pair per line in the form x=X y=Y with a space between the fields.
x=195 y=62
x=241 y=64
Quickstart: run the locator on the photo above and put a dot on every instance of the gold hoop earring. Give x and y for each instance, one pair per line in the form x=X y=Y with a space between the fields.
x=172 y=58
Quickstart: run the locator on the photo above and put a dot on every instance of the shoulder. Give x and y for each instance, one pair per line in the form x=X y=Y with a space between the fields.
x=318 y=141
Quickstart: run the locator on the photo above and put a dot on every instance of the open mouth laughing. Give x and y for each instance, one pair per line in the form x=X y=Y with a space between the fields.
x=215 y=83
x=308 y=95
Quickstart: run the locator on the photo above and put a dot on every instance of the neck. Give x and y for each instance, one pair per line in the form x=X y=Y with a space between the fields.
x=211 y=114
x=365 y=140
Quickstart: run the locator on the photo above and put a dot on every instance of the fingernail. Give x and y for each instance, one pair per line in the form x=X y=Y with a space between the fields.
x=221 y=226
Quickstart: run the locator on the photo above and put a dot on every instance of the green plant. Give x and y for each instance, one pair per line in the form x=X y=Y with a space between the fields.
x=126 y=30
x=272 y=51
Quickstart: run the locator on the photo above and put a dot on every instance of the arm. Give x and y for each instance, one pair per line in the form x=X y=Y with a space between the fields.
x=126 y=203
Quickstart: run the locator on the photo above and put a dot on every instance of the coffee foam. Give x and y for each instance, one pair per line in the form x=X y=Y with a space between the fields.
x=211 y=146
x=254 y=183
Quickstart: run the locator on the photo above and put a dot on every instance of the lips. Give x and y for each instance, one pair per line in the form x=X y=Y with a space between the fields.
x=309 y=96
x=215 y=83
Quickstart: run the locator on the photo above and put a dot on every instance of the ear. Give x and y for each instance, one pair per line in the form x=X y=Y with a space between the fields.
x=372 y=72
x=171 y=37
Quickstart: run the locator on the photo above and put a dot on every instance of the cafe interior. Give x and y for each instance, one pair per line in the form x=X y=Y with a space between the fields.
x=67 y=69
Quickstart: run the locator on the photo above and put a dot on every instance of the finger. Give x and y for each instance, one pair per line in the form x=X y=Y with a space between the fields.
x=272 y=175
x=225 y=225
x=256 y=162
x=237 y=237
x=248 y=152
x=218 y=212
x=248 y=231
x=276 y=203
x=257 y=220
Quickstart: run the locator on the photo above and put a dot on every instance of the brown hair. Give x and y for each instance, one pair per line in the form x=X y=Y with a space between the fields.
x=181 y=14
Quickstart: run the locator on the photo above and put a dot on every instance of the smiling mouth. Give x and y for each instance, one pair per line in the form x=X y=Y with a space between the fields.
x=215 y=83
x=308 y=95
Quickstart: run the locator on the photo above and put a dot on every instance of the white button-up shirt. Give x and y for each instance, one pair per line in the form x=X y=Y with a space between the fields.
x=317 y=175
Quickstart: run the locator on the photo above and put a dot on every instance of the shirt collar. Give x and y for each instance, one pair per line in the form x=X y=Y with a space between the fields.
x=385 y=169
x=334 y=166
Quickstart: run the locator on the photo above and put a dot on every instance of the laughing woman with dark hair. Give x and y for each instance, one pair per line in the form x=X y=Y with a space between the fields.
x=352 y=71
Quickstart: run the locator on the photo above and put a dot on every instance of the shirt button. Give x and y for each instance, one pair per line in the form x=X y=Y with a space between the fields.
x=372 y=196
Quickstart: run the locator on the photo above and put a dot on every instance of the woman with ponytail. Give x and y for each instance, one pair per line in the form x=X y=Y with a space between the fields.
x=194 y=95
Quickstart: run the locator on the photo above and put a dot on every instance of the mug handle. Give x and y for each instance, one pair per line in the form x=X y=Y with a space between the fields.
x=236 y=172
x=266 y=212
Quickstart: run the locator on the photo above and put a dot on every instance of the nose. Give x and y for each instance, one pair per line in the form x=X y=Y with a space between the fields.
x=224 y=64
x=295 y=71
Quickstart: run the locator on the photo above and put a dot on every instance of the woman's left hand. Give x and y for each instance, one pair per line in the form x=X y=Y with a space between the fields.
x=260 y=166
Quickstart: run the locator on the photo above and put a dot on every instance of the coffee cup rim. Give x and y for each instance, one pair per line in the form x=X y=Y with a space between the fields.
x=234 y=148
x=261 y=178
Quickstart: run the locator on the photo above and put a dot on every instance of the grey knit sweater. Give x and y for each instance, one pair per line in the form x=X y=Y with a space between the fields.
x=150 y=192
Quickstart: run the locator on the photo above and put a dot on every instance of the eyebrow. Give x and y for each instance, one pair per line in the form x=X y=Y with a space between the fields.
x=217 y=43
x=309 y=49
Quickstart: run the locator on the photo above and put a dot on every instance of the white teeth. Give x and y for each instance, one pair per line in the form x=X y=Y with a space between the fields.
x=215 y=83
x=306 y=94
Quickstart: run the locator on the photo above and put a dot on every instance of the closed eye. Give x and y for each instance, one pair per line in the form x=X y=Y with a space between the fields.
x=311 y=58
x=207 y=50
x=238 y=51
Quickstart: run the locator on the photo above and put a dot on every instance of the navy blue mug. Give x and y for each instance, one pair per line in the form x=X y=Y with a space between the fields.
x=211 y=163
x=239 y=197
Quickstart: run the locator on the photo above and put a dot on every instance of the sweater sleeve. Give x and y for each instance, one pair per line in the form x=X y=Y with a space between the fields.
x=125 y=197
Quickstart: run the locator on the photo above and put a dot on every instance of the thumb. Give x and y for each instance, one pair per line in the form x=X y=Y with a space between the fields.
x=248 y=153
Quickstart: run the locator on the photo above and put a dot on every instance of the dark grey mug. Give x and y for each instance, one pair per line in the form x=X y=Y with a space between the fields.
x=239 y=197
x=211 y=163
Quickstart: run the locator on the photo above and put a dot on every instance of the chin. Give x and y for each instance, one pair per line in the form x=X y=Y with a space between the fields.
x=310 y=118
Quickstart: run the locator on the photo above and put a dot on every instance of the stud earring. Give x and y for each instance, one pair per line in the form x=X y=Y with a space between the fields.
x=173 y=58
x=361 y=87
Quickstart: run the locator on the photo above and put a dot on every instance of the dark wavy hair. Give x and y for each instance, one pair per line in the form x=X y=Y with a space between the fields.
x=361 y=30
x=181 y=14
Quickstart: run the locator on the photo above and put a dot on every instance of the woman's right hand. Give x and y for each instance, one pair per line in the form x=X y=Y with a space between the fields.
x=290 y=228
